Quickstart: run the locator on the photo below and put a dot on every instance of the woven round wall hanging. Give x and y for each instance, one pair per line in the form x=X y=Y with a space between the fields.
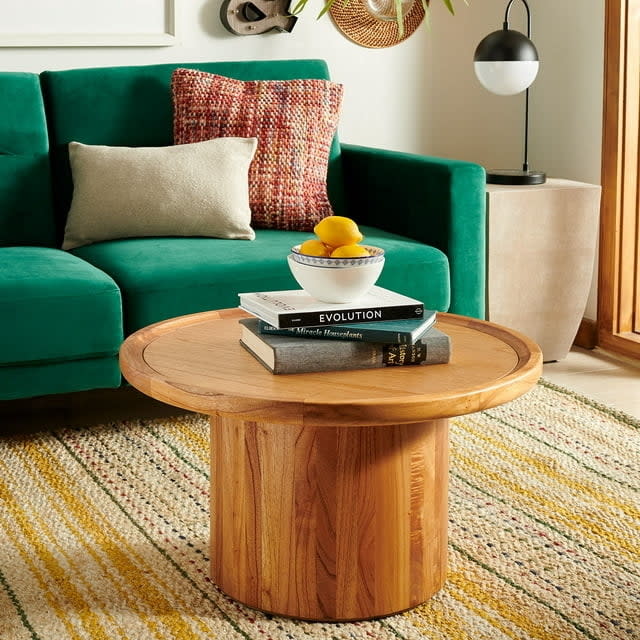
x=358 y=21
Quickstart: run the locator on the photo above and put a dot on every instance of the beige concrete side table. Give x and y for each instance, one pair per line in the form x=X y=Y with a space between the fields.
x=541 y=246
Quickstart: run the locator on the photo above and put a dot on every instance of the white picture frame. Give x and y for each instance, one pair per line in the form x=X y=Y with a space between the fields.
x=135 y=23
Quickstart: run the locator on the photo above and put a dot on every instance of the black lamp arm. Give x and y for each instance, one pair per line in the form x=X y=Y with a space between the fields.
x=506 y=16
x=525 y=164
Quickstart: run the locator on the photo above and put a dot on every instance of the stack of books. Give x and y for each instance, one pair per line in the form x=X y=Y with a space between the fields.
x=294 y=333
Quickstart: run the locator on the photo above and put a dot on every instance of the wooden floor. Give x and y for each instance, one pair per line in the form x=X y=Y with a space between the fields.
x=611 y=380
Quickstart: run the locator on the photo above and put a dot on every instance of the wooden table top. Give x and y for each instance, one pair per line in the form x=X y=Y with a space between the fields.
x=196 y=362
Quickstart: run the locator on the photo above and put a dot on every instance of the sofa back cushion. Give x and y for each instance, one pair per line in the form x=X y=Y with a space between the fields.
x=132 y=106
x=26 y=215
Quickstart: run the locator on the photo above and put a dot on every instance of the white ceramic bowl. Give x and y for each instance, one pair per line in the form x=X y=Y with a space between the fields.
x=329 y=284
x=376 y=255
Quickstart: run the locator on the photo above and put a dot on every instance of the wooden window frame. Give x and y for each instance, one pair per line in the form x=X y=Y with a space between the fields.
x=619 y=252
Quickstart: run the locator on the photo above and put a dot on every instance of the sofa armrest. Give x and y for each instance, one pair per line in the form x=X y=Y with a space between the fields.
x=437 y=201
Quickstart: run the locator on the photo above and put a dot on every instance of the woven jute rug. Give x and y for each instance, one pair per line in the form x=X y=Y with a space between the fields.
x=104 y=533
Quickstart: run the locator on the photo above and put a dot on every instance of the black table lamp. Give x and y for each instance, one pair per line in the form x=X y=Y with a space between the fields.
x=506 y=62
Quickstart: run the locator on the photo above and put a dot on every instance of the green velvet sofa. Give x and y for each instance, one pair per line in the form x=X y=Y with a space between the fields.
x=64 y=314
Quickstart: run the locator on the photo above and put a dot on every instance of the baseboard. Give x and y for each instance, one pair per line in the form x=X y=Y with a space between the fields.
x=587 y=336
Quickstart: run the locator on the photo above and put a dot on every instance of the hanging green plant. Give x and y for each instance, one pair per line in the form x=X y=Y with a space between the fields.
x=399 y=5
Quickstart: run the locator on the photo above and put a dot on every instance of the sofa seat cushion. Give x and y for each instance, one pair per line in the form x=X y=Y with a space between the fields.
x=55 y=307
x=166 y=277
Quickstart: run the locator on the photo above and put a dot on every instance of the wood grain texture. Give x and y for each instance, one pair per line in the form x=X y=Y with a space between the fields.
x=619 y=252
x=587 y=335
x=326 y=523
x=329 y=490
x=195 y=362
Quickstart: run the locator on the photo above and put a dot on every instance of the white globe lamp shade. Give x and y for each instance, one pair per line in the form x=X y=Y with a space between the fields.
x=508 y=77
x=506 y=62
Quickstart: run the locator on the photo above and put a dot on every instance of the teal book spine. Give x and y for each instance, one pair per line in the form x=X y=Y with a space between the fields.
x=390 y=331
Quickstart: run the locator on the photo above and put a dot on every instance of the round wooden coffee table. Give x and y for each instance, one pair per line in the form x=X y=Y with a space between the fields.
x=328 y=490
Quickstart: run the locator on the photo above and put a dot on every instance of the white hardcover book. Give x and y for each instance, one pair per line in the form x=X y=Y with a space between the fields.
x=296 y=308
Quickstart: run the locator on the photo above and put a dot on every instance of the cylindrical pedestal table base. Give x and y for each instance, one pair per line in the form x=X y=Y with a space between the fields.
x=329 y=523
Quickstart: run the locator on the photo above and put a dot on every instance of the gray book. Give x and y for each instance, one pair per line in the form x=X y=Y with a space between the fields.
x=292 y=354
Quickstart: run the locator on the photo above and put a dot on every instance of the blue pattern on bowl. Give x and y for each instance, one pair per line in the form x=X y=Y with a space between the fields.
x=377 y=255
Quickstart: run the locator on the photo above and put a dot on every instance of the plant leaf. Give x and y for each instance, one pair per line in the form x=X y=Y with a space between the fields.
x=449 y=5
x=399 y=18
x=301 y=4
x=427 y=14
x=326 y=7
x=328 y=4
x=298 y=7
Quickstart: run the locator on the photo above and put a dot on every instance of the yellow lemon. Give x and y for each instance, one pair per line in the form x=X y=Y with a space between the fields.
x=350 y=251
x=337 y=231
x=314 y=247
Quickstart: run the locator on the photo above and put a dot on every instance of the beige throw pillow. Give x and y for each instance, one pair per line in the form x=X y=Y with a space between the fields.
x=198 y=189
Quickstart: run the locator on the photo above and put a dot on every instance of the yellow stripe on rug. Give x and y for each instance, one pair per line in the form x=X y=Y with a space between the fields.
x=145 y=588
x=618 y=538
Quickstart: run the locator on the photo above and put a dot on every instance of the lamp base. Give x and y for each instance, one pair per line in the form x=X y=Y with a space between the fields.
x=516 y=177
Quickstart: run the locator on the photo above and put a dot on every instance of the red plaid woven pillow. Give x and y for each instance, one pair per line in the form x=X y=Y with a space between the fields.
x=294 y=121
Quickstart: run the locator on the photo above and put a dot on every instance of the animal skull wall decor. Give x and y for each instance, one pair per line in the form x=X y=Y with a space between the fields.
x=249 y=18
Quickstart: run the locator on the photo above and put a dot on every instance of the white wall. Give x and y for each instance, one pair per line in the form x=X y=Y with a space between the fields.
x=422 y=95
x=385 y=89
